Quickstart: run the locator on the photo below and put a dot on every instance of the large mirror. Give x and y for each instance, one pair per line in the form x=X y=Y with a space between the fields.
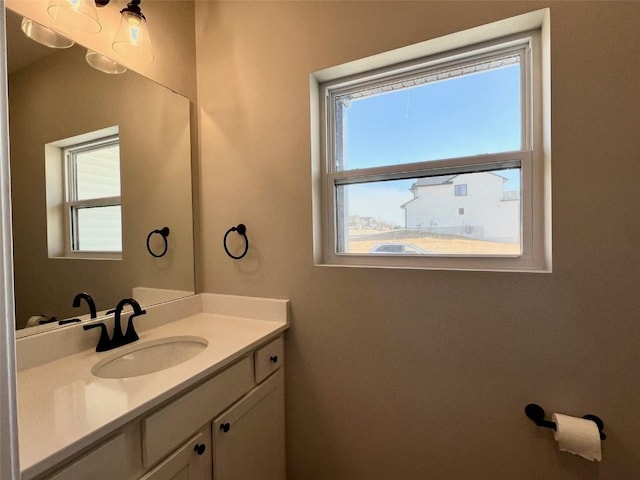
x=55 y=96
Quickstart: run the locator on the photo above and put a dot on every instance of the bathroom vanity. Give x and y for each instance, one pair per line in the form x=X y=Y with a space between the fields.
x=217 y=415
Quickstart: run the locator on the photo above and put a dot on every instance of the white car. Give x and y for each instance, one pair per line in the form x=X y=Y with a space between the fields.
x=397 y=249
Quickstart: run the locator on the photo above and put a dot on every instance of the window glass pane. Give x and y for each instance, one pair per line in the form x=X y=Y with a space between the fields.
x=98 y=172
x=471 y=109
x=424 y=215
x=99 y=229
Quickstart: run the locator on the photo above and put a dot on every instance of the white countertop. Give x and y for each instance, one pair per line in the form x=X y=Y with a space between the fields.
x=63 y=407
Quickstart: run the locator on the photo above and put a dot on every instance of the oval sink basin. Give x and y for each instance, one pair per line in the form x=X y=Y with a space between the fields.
x=141 y=358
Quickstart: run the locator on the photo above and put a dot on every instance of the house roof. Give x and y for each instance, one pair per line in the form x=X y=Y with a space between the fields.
x=448 y=179
x=443 y=180
x=428 y=181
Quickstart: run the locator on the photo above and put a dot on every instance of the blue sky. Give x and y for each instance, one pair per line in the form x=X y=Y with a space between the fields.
x=467 y=115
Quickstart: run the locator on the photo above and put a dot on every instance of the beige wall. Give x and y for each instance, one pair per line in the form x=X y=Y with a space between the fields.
x=424 y=374
x=61 y=97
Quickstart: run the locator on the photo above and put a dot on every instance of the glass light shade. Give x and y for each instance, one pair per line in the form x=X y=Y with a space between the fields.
x=44 y=35
x=79 y=15
x=104 y=64
x=132 y=38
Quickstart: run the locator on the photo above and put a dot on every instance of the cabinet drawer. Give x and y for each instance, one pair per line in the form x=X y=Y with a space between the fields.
x=109 y=460
x=269 y=358
x=168 y=428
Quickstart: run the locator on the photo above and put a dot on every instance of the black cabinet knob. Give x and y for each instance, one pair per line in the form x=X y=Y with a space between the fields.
x=274 y=359
x=200 y=448
x=225 y=427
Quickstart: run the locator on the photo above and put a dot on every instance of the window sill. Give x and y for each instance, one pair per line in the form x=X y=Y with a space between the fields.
x=514 y=263
x=89 y=256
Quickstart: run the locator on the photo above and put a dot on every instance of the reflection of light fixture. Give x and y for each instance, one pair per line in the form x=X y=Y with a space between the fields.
x=80 y=15
x=132 y=38
x=102 y=63
x=44 y=35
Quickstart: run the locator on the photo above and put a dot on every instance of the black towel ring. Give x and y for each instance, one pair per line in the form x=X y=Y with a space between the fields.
x=164 y=233
x=242 y=230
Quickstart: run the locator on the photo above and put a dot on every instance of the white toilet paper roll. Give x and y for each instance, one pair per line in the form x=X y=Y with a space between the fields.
x=35 y=320
x=578 y=436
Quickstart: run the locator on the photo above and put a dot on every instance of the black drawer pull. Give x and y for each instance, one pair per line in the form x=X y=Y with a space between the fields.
x=273 y=358
x=200 y=448
x=225 y=427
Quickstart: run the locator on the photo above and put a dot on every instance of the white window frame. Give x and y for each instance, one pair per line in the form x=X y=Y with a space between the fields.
x=72 y=204
x=531 y=32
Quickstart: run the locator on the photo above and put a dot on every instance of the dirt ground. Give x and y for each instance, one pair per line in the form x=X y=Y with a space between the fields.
x=434 y=244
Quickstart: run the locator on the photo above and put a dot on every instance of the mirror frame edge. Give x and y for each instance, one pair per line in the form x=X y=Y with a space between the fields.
x=9 y=464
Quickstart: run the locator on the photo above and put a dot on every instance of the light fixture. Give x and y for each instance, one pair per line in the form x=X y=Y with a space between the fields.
x=103 y=63
x=132 y=38
x=80 y=15
x=44 y=35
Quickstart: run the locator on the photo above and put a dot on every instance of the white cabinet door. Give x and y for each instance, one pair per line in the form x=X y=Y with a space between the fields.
x=192 y=461
x=249 y=437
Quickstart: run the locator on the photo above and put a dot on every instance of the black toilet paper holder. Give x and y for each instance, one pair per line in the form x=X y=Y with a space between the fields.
x=536 y=413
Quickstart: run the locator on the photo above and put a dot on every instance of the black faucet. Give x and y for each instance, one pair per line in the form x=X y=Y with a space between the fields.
x=130 y=335
x=118 y=339
x=89 y=300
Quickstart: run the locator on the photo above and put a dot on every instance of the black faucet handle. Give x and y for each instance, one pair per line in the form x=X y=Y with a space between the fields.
x=104 y=343
x=68 y=321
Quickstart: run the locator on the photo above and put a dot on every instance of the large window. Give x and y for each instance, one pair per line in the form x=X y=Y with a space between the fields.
x=93 y=210
x=440 y=156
